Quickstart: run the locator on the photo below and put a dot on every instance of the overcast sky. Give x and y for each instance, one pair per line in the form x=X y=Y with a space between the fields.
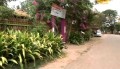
x=12 y=4
x=113 y=4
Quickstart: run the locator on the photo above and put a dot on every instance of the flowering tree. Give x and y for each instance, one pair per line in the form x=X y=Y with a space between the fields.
x=79 y=15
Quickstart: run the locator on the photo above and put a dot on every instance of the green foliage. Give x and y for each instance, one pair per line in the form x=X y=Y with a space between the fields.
x=80 y=37
x=4 y=2
x=98 y=19
x=110 y=13
x=28 y=7
x=87 y=35
x=110 y=16
x=53 y=45
x=81 y=13
x=44 y=7
x=5 y=12
x=76 y=38
x=20 y=48
x=117 y=26
x=41 y=29
x=79 y=7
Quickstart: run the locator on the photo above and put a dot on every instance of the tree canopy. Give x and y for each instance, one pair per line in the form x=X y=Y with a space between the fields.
x=81 y=9
x=110 y=19
x=4 y=2
x=98 y=20
x=110 y=13
x=5 y=12
x=28 y=7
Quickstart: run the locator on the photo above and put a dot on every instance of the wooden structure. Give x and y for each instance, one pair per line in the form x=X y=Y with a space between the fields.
x=19 y=21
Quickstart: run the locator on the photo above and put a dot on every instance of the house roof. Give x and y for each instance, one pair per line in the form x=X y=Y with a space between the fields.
x=20 y=12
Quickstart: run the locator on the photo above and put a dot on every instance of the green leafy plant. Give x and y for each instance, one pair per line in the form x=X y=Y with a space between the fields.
x=117 y=26
x=76 y=38
x=41 y=29
x=5 y=12
x=87 y=35
x=21 y=48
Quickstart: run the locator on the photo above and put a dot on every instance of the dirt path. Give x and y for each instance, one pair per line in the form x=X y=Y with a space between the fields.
x=72 y=53
x=103 y=55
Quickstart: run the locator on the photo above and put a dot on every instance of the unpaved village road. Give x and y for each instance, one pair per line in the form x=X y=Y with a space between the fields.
x=103 y=55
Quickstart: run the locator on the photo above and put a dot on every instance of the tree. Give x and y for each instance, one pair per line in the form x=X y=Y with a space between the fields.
x=117 y=26
x=28 y=7
x=81 y=9
x=79 y=14
x=4 y=2
x=43 y=7
x=110 y=18
x=110 y=13
x=5 y=12
x=98 y=20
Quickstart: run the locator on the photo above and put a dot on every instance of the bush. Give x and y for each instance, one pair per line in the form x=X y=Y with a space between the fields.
x=20 y=48
x=76 y=38
x=117 y=26
x=5 y=12
x=80 y=37
x=87 y=35
x=41 y=29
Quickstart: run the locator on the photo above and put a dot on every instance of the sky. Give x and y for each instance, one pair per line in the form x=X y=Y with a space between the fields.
x=113 y=4
x=13 y=4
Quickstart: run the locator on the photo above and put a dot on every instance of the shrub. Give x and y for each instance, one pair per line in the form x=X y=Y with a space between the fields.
x=41 y=29
x=20 y=48
x=87 y=35
x=76 y=38
x=80 y=37
x=117 y=26
x=5 y=12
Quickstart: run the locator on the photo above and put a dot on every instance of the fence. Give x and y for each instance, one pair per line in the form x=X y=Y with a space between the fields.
x=15 y=23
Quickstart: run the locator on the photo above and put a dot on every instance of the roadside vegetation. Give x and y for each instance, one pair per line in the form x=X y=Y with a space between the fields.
x=20 y=48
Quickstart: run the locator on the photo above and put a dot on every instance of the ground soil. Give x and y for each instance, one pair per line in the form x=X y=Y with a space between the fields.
x=73 y=52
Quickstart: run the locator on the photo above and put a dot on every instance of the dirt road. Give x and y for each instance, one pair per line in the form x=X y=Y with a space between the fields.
x=100 y=53
x=103 y=55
